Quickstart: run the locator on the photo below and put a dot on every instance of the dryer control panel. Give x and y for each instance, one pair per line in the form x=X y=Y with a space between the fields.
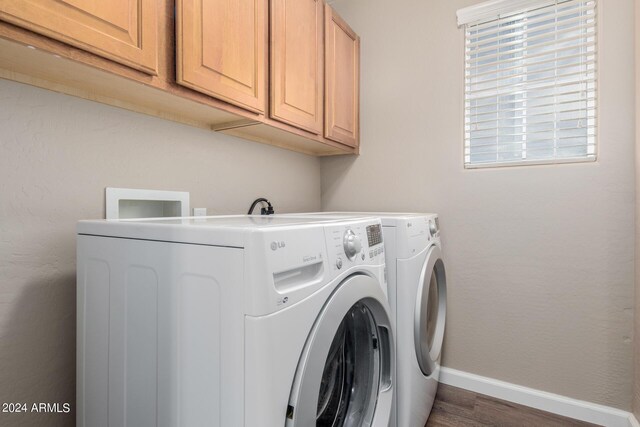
x=416 y=233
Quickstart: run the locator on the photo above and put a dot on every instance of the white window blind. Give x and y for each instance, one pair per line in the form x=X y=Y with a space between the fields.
x=530 y=86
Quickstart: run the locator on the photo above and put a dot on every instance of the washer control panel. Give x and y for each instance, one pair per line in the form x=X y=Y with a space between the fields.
x=374 y=234
x=355 y=243
x=352 y=244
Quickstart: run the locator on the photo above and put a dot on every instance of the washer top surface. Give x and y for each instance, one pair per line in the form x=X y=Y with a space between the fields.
x=389 y=219
x=227 y=230
x=226 y=221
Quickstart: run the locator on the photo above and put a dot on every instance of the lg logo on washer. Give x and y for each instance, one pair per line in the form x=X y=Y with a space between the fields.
x=275 y=245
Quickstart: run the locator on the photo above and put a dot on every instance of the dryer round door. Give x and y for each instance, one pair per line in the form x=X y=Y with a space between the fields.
x=344 y=377
x=430 y=311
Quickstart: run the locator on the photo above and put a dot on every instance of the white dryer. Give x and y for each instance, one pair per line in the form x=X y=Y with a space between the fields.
x=233 y=321
x=417 y=279
x=417 y=292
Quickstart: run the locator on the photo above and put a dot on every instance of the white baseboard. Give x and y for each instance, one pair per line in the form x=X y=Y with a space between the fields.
x=554 y=403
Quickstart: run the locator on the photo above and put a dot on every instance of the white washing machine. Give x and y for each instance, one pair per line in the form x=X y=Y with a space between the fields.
x=417 y=292
x=233 y=321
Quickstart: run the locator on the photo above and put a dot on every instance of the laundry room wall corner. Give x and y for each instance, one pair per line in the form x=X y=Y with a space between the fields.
x=540 y=264
x=57 y=155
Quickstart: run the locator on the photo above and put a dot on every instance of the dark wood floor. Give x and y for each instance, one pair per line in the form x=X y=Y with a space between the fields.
x=455 y=407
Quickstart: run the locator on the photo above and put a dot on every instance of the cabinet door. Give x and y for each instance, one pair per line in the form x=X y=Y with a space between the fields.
x=297 y=63
x=125 y=31
x=221 y=46
x=342 y=92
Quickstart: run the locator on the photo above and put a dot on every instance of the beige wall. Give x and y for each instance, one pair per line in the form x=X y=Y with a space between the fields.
x=57 y=154
x=540 y=258
x=636 y=354
x=525 y=306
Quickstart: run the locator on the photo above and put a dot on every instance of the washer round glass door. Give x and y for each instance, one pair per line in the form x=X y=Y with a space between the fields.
x=430 y=311
x=346 y=366
x=352 y=371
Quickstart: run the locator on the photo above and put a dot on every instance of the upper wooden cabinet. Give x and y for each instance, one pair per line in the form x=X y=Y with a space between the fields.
x=222 y=49
x=342 y=89
x=297 y=71
x=280 y=72
x=125 y=31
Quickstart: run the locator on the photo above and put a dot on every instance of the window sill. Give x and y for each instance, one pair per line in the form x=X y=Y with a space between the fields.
x=590 y=159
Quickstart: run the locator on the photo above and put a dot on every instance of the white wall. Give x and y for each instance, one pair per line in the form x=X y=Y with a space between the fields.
x=57 y=154
x=539 y=258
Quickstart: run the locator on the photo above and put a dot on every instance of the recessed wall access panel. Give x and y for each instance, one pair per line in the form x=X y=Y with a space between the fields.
x=127 y=203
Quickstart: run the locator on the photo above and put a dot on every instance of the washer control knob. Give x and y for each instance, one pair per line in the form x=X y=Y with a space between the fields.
x=352 y=244
x=339 y=264
x=433 y=228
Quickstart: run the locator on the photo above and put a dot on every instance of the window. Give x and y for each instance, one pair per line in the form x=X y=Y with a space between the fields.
x=530 y=82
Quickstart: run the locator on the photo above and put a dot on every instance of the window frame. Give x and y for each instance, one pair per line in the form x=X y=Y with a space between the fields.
x=492 y=10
